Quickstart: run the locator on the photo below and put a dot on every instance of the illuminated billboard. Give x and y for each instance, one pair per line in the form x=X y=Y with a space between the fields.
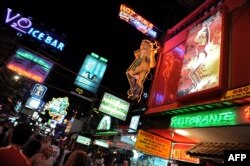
x=114 y=106
x=30 y=65
x=83 y=140
x=101 y=143
x=201 y=67
x=134 y=123
x=105 y=123
x=32 y=103
x=91 y=72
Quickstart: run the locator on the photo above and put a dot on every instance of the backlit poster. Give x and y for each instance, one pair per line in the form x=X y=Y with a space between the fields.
x=30 y=65
x=201 y=66
x=134 y=123
x=105 y=123
x=91 y=72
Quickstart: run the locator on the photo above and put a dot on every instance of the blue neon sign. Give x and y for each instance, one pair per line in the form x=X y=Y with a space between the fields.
x=24 y=25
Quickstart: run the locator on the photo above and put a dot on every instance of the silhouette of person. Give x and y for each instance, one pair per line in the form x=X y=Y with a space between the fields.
x=86 y=74
x=94 y=78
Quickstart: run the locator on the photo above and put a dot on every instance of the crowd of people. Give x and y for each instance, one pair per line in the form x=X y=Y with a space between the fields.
x=19 y=146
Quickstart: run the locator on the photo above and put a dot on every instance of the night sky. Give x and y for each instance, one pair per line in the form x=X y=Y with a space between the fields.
x=94 y=26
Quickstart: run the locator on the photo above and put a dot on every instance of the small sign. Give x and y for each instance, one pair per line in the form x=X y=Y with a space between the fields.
x=153 y=145
x=236 y=93
x=39 y=91
x=179 y=153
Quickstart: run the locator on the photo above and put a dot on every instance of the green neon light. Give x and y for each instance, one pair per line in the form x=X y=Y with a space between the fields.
x=99 y=57
x=94 y=55
x=106 y=133
x=221 y=117
x=103 y=59
x=33 y=58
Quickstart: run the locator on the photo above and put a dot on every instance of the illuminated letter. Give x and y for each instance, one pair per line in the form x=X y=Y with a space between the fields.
x=40 y=36
x=60 y=46
x=48 y=40
x=34 y=33
x=24 y=23
x=54 y=43
x=8 y=19
x=31 y=30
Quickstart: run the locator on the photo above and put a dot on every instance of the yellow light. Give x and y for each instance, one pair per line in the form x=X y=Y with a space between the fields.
x=181 y=132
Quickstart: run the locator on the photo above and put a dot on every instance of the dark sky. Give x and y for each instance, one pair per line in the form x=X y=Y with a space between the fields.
x=94 y=26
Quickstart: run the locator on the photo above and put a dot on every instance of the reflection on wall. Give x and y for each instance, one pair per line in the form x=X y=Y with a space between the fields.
x=167 y=78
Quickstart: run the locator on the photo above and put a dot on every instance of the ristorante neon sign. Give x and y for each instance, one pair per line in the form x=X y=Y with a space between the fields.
x=223 y=117
x=24 y=25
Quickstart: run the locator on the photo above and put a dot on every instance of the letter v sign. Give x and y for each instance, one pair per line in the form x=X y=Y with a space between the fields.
x=10 y=18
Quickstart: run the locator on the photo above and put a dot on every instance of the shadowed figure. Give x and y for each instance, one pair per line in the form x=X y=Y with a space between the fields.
x=139 y=69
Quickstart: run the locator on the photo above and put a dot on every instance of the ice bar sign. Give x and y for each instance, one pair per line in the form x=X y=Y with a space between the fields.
x=24 y=25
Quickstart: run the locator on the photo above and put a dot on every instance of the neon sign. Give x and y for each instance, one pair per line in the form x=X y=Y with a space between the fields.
x=179 y=153
x=39 y=91
x=58 y=106
x=25 y=73
x=24 y=25
x=136 y=20
x=223 y=117
x=30 y=65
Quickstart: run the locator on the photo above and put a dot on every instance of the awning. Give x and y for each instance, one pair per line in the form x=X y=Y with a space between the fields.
x=215 y=150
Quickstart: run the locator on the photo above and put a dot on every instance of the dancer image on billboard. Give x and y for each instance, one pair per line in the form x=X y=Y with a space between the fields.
x=202 y=40
x=201 y=65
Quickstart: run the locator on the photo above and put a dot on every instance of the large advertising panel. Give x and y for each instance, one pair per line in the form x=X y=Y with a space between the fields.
x=91 y=72
x=192 y=64
x=201 y=66
x=30 y=65
x=114 y=106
